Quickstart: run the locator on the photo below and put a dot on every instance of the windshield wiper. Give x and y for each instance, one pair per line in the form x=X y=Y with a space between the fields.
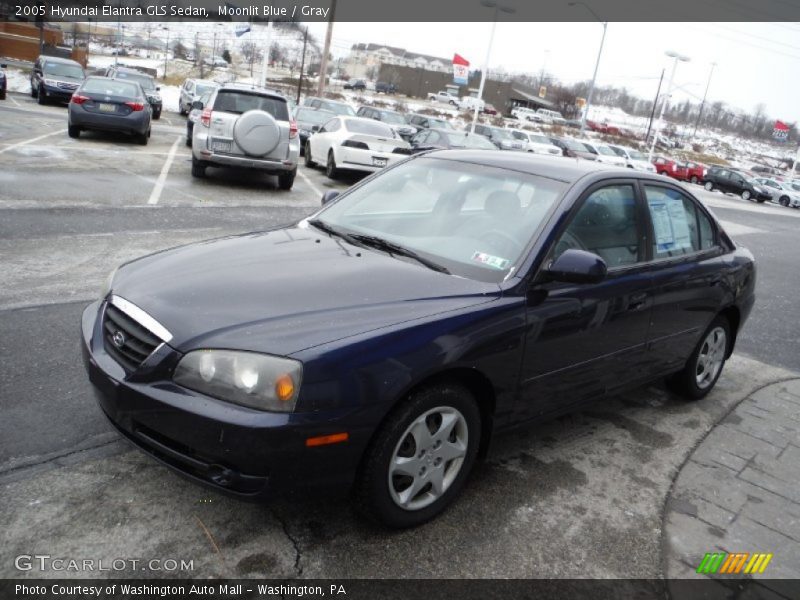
x=334 y=231
x=392 y=248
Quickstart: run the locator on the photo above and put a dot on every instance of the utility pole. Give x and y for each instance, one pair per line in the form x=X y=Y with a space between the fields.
x=166 y=54
x=265 y=56
x=675 y=59
x=323 y=63
x=302 y=66
x=655 y=103
x=703 y=103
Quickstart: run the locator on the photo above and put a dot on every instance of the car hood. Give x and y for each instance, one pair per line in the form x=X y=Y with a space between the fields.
x=285 y=290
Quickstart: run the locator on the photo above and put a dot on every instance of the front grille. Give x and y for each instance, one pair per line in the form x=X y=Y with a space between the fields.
x=67 y=86
x=128 y=342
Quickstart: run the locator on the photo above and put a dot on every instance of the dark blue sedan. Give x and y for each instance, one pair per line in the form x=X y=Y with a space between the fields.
x=377 y=346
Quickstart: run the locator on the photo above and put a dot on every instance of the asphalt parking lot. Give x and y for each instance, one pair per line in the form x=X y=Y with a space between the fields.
x=583 y=496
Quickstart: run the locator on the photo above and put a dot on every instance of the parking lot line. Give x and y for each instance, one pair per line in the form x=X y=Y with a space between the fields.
x=308 y=181
x=30 y=141
x=162 y=177
x=10 y=97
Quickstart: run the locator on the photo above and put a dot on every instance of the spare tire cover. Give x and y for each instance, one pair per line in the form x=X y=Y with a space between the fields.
x=256 y=132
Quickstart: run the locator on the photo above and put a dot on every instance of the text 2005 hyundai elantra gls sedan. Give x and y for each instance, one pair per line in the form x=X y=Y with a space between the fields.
x=377 y=346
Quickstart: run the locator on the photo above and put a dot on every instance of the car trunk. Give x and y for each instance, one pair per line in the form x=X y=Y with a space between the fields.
x=109 y=105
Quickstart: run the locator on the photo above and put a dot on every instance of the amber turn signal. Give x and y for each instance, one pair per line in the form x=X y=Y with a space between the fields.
x=284 y=388
x=323 y=440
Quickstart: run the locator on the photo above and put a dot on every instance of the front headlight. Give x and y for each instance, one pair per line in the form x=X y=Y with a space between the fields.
x=260 y=381
x=108 y=283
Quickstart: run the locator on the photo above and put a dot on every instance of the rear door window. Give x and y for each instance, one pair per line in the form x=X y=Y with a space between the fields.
x=676 y=229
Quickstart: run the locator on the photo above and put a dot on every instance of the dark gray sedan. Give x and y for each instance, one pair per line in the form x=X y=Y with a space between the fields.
x=104 y=104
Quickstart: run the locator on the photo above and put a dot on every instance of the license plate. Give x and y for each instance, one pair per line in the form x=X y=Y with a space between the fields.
x=221 y=146
x=379 y=162
x=107 y=107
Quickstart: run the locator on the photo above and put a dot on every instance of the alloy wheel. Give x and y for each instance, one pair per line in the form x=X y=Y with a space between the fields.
x=711 y=358
x=428 y=458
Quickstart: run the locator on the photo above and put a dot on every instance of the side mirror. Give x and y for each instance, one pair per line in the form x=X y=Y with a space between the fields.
x=158 y=88
x=3 y=66
x=314 y=128
x=577 y=266
x=328 y=196
x=197 y=105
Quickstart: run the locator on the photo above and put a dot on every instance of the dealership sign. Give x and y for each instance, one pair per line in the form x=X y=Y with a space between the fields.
x=780 y=131
x=460 y=70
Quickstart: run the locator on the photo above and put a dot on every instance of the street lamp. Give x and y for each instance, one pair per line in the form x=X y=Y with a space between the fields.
x=596 y=64
x=676 y=58
x=497 y=10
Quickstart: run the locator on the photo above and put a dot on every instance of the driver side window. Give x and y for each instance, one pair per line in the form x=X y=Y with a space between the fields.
x=606 y=224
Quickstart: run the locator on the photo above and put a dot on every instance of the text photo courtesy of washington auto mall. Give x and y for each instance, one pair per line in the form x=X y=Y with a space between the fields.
x=381 y=299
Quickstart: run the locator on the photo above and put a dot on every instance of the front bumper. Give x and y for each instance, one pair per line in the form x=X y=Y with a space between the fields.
x=57 y=93
x=240 y=451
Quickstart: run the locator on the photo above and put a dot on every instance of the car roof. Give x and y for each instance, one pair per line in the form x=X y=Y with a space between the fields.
x=558 y=168
x=249 y=87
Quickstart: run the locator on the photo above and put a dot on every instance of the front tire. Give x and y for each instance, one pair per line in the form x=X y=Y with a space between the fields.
x=421 y=457
x=704 y=366
x=331 y=170
x=784 y=201
x=41 y=97
x=157 y=114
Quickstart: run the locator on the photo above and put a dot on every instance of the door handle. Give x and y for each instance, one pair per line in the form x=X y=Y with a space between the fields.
x=637 y=301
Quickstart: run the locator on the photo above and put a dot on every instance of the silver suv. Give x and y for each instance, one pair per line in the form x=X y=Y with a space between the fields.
x=247 y=127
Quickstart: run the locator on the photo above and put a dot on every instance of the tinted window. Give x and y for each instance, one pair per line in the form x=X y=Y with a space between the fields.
x=315 y=117
x=237 y=102
x=143 y=80
x=674 y=219
x=605 y=224
x=707 y=237
x=332 y=125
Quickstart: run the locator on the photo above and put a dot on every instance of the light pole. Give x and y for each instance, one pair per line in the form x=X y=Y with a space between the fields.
x=676 y=58
x=497 y=10
x=544 y=65
x=596 y=64
x=166 y=51
x=703 y=103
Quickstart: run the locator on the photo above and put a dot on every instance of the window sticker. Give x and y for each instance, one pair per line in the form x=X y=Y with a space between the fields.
x=491 y=261
x=670 y=224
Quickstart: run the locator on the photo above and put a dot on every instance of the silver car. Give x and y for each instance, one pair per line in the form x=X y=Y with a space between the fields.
x=247 y=127
x=194 y=89
x=784 y=193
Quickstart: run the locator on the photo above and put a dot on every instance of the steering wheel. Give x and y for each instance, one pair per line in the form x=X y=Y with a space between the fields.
x=506 y=241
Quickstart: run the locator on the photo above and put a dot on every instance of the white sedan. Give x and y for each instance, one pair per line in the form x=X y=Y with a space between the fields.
x=354 y=143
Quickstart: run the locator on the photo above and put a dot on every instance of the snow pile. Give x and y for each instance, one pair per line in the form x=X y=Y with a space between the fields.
x=18 y=80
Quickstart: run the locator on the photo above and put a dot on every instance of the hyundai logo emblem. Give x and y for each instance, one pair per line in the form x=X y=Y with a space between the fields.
x=118 y=339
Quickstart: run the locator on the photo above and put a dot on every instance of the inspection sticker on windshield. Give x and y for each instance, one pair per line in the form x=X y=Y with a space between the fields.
x=491 y=261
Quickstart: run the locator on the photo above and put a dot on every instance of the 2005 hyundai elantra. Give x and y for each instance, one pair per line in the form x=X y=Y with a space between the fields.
x=377 y=346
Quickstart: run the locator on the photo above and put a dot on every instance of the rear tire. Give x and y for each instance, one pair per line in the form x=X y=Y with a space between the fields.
x=33 y=91
x=286 y=181
x=142 y=138
x=73 y=131
x=331 y=170
x=709 y=187
x=694 y=179
x=198 y=168
x=307 y=157
x=157 y=114
x=746 y=195
x=41 y=98
x=448 y=451
x=705 y=365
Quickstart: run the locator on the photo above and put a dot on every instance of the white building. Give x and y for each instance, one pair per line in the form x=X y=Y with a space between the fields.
x=365 y=60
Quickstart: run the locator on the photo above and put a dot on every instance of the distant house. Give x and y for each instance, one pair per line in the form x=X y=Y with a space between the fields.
x=365 y=60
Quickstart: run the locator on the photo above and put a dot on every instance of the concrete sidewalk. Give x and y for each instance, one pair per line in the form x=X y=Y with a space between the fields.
x=739 y=491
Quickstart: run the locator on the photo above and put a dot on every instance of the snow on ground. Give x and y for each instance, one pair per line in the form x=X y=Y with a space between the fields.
x=18 y=80
x=170 y=96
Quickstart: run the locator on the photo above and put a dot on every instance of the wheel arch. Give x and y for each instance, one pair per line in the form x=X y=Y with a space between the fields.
x=734 y=317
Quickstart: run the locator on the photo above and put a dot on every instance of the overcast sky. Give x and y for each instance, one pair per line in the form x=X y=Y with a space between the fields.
x=756 y=62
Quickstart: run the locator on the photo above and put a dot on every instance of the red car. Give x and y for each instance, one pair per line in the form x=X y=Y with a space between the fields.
x=694 y=172
x=667 y=166
x=489 y=109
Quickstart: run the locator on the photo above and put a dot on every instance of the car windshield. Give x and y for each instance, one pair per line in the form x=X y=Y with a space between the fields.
x=315 y=117
x=393 y=118
x=236 y=102
x=605 y=150
x=540 y=139
x=636 y=155
x=368 y=127
x=501 y=134
x=111 y=87
x=339 y=108
x=794 y=186
x=63 y=70
x=475 y=221
x=465 y=140
x=439 y=123
x=576 y=146
x=519 y=135
x=202 y=88
x=144 y=80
